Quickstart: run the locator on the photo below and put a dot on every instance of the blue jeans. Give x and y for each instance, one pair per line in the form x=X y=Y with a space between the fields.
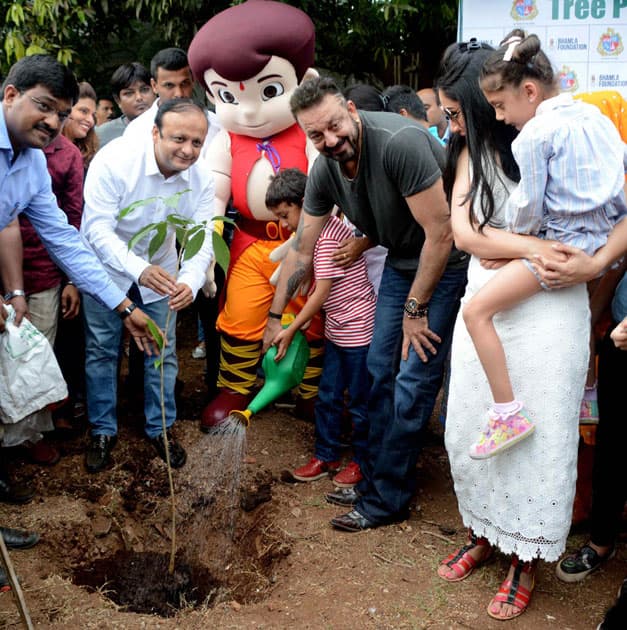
x=344 y=368
x=103 y=336
x=403 y=393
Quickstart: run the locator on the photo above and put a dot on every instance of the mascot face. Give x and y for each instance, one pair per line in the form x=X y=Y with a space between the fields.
x=259 y=106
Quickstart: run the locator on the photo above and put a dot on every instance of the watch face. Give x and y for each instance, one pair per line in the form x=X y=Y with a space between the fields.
x=411 y=304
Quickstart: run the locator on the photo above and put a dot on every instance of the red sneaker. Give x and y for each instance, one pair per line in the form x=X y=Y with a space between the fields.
x=315 y=469
x=348 y=477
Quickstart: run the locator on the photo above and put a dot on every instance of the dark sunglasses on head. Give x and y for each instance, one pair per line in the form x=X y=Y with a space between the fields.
x=451 y=114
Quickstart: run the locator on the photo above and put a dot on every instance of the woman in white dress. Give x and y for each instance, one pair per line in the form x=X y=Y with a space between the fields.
x=520 y=504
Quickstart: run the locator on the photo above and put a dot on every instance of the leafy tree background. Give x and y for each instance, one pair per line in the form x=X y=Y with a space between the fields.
x=378 y=41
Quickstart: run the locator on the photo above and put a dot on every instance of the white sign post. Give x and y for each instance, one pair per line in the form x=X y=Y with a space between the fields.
x=583 y=38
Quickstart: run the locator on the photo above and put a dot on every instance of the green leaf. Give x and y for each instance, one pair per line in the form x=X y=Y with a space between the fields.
x=157 y=363
x=177 y=219
x=157 y=240
x=156 y=333
x=173 y=200
x=136 y=204
x=141 y=234
x=194 y=229
x=194 y=244
x=221 y=251
x=181 y=236
x=224 y=220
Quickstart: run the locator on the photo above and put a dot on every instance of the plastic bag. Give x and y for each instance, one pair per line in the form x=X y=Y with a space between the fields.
x=30 y=377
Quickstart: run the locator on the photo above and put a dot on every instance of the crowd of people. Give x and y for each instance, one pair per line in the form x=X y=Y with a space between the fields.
x=469 y=229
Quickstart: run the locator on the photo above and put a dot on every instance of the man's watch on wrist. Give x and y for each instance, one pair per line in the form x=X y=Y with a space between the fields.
x=13 y=294
x=415 y=309
x=128 y=310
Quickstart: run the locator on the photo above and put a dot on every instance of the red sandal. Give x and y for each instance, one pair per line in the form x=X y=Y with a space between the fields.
x=512 y=592
x=462 y=563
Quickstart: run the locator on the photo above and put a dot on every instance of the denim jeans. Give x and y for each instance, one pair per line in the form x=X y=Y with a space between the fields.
x=344 y=368
x=403 y=393
x=103 y=336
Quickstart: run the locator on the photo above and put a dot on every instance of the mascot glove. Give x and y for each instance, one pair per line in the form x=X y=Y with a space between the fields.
x=210 y=288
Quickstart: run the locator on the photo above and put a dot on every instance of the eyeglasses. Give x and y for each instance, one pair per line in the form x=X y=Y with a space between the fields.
x=451 y=114
x=44 y=108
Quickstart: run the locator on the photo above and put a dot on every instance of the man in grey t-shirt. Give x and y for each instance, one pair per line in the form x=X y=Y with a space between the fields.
x=384 y=171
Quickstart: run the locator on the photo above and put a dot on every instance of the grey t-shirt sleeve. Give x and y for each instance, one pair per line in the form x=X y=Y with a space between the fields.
x=317 y=201
x=413 y=160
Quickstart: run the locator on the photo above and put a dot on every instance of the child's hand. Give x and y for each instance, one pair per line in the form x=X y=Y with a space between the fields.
x=282 y=342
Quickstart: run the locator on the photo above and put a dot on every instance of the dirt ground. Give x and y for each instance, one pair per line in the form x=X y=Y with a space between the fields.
x=277 y=563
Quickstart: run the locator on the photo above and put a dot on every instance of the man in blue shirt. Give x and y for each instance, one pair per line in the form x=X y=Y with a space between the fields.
x=37 y=98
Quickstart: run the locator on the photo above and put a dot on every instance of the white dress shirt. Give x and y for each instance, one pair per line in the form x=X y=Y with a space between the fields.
x=124 y=172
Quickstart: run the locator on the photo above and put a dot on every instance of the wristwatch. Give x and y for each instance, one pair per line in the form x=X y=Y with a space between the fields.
x=414 y=309
x=13 y=294
x=128 y=310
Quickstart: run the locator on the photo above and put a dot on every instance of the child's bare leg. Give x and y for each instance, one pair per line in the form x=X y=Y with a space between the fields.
x=513 y=284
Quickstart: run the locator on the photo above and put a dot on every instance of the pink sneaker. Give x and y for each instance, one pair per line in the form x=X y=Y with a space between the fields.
x=501 y=433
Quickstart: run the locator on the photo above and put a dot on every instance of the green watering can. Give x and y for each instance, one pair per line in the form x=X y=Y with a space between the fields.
x=280 y=377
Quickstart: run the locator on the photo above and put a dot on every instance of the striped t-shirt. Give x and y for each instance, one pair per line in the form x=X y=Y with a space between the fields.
x=349 y=308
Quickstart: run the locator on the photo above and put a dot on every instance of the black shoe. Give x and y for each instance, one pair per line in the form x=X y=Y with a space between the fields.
x=577 y=566
x=352 y=522
x=14 y=492
x=346 y=497
x=98 y=455
x=18 y=538
x=178 y=456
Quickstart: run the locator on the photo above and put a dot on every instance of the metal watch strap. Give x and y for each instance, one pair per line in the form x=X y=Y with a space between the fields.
x=13 y=294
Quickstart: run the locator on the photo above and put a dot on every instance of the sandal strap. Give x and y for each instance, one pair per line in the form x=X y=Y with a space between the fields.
x=518 y=595
x=461 y=562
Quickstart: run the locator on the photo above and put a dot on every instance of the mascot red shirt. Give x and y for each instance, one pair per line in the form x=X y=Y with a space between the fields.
x=250 y=58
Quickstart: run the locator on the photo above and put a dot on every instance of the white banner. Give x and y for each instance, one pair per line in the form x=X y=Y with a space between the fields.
x=583 y=38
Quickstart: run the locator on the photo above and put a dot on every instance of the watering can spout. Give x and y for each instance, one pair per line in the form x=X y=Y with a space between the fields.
x=242 y=416
x=280 y=377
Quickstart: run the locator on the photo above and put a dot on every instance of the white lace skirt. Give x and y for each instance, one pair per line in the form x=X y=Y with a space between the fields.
x=521 y=500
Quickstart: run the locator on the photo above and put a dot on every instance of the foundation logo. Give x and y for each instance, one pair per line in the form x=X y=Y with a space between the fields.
x=524 y=9
x=567 y=79
x=610 y=43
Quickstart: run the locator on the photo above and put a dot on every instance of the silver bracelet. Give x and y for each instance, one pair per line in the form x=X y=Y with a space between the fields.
x=13 y=294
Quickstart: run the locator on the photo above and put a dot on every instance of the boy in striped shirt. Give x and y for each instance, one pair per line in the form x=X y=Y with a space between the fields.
x=345 y=294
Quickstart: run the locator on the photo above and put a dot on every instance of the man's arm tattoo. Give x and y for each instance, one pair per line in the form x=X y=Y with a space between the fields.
x=295 y=280
x=299 y=233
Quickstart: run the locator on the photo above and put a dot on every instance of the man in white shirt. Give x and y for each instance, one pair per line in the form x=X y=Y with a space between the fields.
x=122 y=173
x=171 y=78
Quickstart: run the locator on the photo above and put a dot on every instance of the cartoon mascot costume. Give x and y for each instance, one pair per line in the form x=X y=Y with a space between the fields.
x=250 y=58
